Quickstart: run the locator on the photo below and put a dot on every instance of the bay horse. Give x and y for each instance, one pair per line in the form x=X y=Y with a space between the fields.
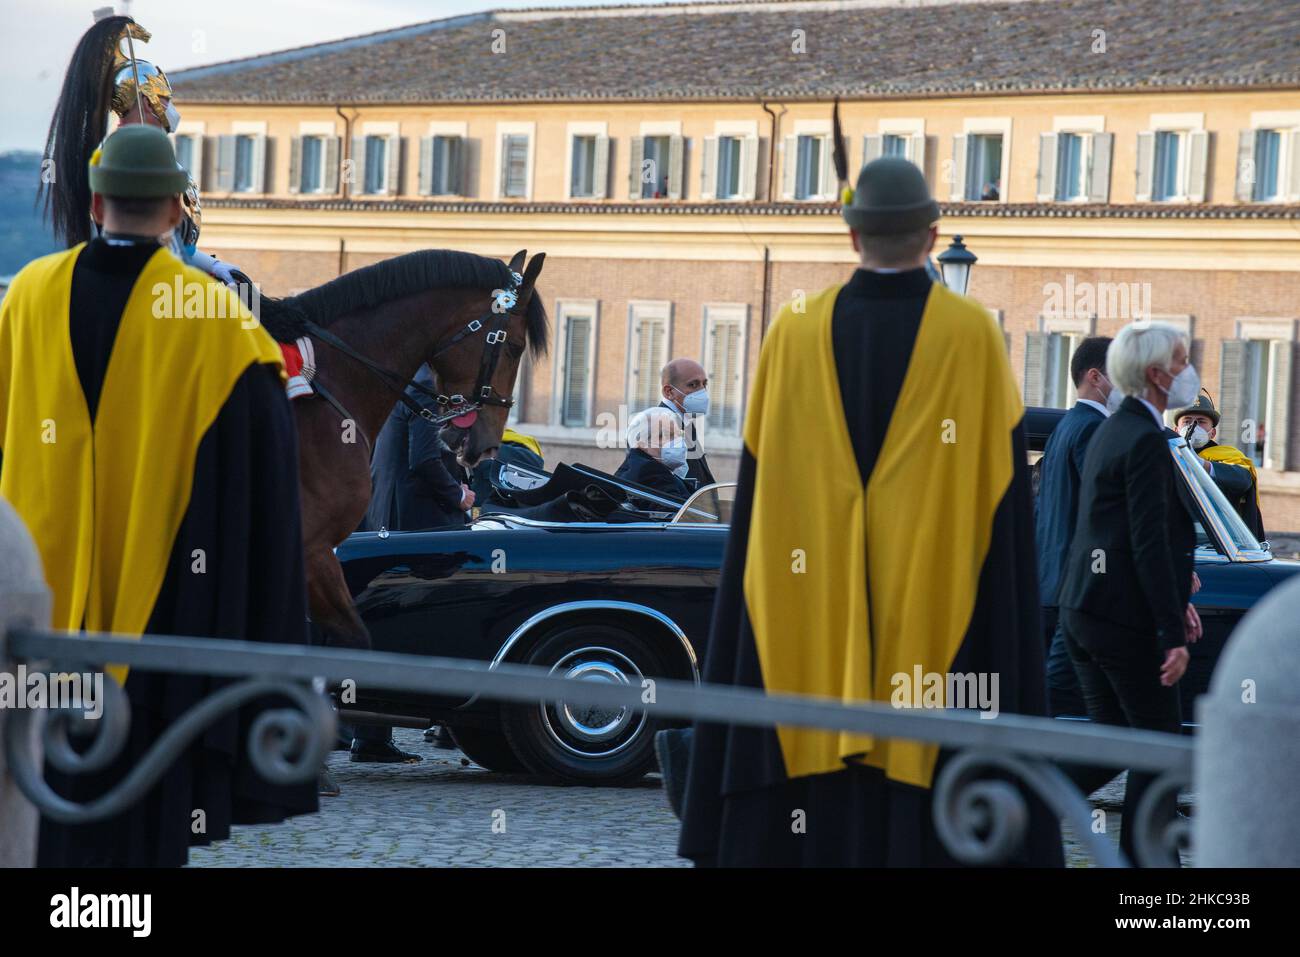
x=371 y=330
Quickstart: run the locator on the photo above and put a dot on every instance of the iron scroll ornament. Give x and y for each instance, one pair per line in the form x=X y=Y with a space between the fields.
x=285 y=745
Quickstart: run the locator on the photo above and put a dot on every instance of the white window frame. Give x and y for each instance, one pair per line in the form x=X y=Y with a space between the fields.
x=257 y=129
x=820 y=129
x=453 y=128
x=323 y=130
x=564 y=309
x=655 y=309
x=1184 y=124
x=390 y=131
x=1073 y=328
x=1272 y=331
x=730 y=311
x=988 y=126
x=1286 y=123
x=596 y=128
x=742 y=130
x=528 y=129
x=1085 y=127
x=910 y=128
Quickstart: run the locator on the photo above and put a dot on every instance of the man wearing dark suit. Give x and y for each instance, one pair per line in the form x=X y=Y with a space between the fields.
x=685 y=389
x=1057 y=506
x=413 y=485
x=1127 y=581
x=413 y=488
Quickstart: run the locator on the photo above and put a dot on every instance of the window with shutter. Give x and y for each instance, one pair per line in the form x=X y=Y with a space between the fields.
x=1167 y=177
x=1058 y=387
x=724 y=366
x=1099 y=167
x=1232 y=369
x=984 y=167
x=310 y=164
x=514 y=166
x=576 y=378
x=376 y=164
x=226 y=162
x=1036 y=344
x=1256 y=422
x=582 y=167
x=655 y=167
x=892 y=144
x=727 y=185
x=185 y=153
x=649 y=354
x=808 y=176
x=1268 y=167
x=677 y=165
x=872 y=147
x=245 y=156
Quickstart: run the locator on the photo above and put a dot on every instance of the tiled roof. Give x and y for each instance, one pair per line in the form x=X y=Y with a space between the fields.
x=659 y=208
x=743 y=49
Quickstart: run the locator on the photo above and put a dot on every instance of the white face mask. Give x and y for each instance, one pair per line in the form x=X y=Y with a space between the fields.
x=1114 y=400
x=694 y=403
x=673 y=455
x=1185 y=388
x=1200 y=438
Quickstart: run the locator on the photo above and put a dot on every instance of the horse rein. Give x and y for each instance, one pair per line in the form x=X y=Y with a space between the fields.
x=453 y=406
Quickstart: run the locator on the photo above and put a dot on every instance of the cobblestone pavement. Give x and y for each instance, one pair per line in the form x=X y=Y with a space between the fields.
x=447 y=812
x=441 y=812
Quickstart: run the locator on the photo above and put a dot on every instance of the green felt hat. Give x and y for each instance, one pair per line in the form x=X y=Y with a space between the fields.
x=137 y=161
x=891 y=197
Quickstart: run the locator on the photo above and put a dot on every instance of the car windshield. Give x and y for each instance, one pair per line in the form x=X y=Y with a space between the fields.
x=1212 y=500
x=711 y=505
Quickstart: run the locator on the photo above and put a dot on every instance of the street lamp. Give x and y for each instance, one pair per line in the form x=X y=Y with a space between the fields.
x=955 y=263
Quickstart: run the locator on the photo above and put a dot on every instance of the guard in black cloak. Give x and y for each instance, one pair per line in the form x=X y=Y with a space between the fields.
x=910 y=554
x=174 y=482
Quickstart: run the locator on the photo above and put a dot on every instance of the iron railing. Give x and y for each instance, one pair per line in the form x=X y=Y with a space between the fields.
x=979 y=820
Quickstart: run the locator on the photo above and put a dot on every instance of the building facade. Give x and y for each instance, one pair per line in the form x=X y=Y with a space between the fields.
x=1105 y=162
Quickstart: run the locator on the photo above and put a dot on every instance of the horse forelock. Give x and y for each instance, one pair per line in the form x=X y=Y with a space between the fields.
x=409 y=275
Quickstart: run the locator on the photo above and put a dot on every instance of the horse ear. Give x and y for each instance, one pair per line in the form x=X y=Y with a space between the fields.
x=530 y=277
x=517 y=262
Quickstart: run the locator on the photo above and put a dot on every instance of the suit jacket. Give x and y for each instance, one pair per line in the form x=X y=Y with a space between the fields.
x=1132 y=519
x=697 y=464
x=413 y=487
x=644 y=469
x=1057 y=504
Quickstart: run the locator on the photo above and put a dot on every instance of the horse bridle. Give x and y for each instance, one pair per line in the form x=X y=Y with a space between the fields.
x=449 y=406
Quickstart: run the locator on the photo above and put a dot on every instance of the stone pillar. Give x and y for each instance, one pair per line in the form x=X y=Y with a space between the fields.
x=1247 y=776
x=24 y=601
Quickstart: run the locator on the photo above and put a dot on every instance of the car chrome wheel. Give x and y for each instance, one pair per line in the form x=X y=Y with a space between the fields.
x=580 y=744
x=594 y=732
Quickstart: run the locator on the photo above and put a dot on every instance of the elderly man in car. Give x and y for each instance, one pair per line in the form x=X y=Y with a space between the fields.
x=656 y=453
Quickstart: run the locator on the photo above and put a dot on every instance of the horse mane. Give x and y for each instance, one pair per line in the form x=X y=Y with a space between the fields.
x=397 y=278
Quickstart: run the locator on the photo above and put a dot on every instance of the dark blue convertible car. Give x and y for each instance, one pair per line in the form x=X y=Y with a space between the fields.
x=618 y=584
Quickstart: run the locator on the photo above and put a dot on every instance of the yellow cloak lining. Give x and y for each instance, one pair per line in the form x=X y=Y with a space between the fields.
x=1230 y=456
x=926 y=512
x=104 y=501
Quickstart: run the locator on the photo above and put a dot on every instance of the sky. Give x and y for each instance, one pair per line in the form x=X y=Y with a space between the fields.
x=38 y=37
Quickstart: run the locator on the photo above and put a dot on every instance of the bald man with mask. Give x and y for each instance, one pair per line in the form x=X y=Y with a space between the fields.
x=684 y=386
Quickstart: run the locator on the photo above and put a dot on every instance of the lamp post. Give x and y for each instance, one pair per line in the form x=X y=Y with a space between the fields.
x=955 y=263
